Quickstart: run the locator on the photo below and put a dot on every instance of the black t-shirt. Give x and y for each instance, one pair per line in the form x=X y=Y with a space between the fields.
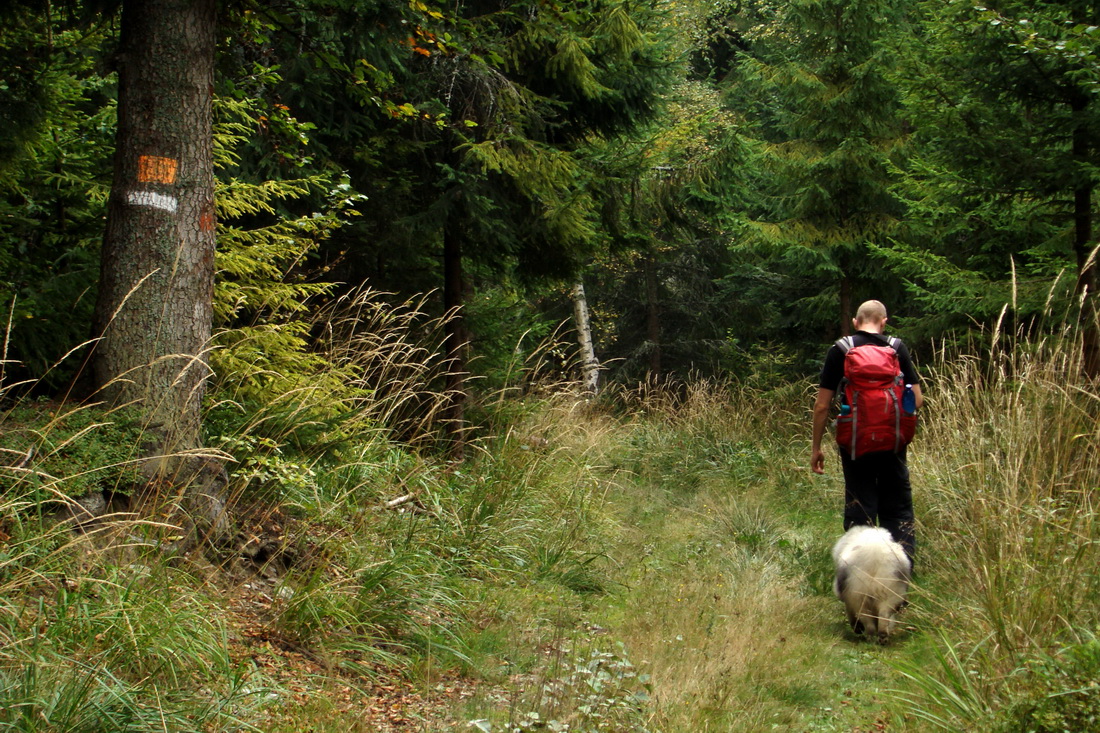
x=833 y=370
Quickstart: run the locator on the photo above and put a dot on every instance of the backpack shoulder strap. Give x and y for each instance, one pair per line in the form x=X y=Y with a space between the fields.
x=845 y=344
x=894 y=342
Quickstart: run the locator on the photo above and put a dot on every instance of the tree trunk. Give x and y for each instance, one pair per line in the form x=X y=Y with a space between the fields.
x=457 y=339
x=845 y=305
x=1083 y=246
x=153 y=311
x=590 y=365
x=653 y=317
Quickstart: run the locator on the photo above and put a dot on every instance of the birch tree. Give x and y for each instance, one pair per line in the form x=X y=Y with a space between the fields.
x=590 y=365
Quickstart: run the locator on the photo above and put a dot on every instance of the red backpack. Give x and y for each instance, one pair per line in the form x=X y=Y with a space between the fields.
x=872 y=390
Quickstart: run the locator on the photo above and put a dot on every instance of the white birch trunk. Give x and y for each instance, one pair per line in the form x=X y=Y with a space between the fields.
x=590 y=365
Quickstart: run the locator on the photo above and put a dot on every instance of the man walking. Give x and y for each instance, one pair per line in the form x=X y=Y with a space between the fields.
x=876 y=484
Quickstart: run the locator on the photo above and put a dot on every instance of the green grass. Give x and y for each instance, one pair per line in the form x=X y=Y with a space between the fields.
x=660 y=566
x=716 y=590
x=118 y=648
x=718 y=579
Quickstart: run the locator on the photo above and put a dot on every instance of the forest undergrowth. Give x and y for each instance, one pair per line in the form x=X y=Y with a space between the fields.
x=721 y=612
x=656 y=559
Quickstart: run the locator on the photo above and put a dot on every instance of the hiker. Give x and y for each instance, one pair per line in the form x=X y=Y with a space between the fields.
x=876 y=476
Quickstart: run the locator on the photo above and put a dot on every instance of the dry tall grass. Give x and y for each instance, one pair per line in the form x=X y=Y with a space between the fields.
x=682 y=522
x=707 y=581
x=722 y=537
x=101 y=614
x=1009 y=467
x=1011 y=463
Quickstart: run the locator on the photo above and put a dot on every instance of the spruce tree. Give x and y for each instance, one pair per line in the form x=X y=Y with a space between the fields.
x=825 y=131
x=56 y=138
x=154 y=308
x=462 y=124
x=1008 y=131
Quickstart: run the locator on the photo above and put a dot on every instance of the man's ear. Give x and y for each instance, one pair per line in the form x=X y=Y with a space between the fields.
x=855 y=324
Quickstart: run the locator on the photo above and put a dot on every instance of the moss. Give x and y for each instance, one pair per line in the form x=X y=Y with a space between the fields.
x=50 y=448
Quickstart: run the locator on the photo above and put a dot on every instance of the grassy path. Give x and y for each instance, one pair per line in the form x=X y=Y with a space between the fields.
x=663 y=569
x=729 y=603
x=718 y=597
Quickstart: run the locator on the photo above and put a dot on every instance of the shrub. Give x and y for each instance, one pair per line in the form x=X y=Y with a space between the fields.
x=52 y=449
x=1063 y=692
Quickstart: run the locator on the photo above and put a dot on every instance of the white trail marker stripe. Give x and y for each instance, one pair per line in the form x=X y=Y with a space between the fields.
x=153 y=199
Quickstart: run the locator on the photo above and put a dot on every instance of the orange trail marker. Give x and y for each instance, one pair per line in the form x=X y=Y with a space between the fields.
x=154 y=169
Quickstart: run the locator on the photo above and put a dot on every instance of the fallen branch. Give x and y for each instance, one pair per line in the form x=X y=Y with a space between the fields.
x=406 y=503
x=399 y=501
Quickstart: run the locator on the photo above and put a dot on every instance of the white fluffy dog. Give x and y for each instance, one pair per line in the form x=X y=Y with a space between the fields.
x=872 y=579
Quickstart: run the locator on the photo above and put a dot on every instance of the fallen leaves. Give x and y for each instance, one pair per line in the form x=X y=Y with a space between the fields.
x=312 y=686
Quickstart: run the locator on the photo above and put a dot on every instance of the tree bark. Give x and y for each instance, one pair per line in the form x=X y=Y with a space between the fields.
x=153 y=311
x=457 y=340
x=590 y=365
x=653 y=317
x=845 y=305
x=1083 y=246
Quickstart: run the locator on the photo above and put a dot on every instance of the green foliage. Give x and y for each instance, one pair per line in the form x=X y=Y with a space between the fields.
x=56 y=140
x=509 y=335
x=374 y=380
x=254 y=260
x=827 y=128
x=997 y=102
x=263 y=472
x=120 y=649
x=953 y=298
x=68 y=451
x=1063 y=692
x=666 y=201
x=541 y=174
x=263 y=288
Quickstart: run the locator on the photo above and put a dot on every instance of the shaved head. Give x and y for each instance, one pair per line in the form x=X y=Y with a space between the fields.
x=873 y=311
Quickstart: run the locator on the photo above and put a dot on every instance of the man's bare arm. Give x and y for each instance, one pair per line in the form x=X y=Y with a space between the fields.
x=821 y=417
